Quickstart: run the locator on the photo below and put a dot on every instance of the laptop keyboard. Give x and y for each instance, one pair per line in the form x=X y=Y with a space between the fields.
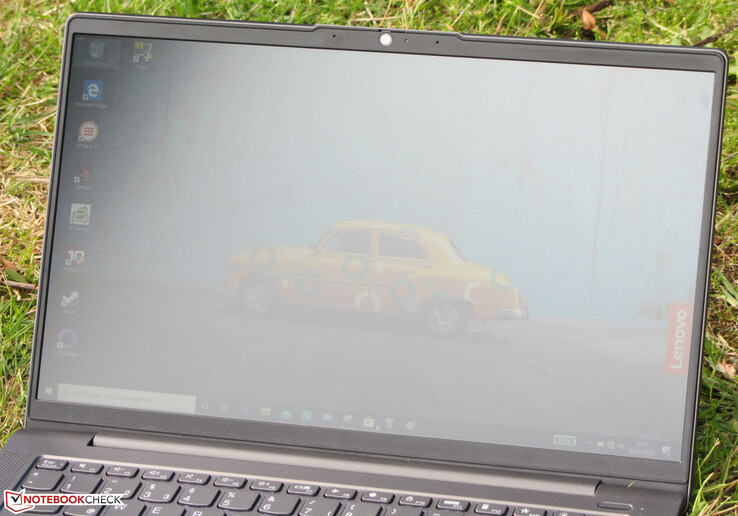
x=166 y=492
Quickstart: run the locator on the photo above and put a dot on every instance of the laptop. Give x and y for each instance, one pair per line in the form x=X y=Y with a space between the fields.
x=340 y=271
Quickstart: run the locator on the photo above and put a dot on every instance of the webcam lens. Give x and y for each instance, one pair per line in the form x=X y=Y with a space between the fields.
x=385 y=39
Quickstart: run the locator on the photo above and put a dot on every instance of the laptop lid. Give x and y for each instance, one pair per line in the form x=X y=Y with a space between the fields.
x=427 y=245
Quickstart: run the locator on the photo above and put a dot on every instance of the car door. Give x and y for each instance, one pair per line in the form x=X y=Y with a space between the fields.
x=339 y=271
x=400 y=273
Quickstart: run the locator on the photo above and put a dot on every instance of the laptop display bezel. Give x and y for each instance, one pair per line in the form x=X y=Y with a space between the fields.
x=93 y=418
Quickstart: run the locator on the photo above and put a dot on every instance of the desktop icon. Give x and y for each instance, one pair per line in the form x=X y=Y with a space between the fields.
x=92 y=91
x=97 y=48
x=66 y=339
x=307 y=415
x=83 y=176
x=88 y=132
x=142 y=51
x=80 y=215
x=71 y=300
x=75 y=257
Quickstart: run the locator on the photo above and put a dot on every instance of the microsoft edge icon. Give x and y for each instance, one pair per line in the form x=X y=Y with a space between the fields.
x=93 y=91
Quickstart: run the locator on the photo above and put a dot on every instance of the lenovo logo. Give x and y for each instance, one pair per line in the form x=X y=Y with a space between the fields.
x=678 y=339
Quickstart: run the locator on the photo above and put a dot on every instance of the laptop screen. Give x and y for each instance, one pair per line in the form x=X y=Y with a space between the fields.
x=477 y=250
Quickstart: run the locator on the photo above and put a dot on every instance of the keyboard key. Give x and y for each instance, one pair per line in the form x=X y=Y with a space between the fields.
x=44 y=509
x=122 y=486
x=441 y=513
x=87 y=467
x=448 y=504
x=279 y=504
x=54 y=464
x=157 y=474
x=42 y=480
x=212 y=511
x=83 y=510
x=377 y=497
x=416 y=501
x=122 y=471
x=238 y=500
x=529 y=511
x=194 y=478
x=361 y=509
x=320 y=507
x=339 y=493
x=491 y=508
x=158 y=492
x=235 y=482
x=266 y=485
x=303 y=489
x=165 y=510
x=226 y=496
x=131 y=508
x=80 y=484
x=403 y=511
x=199 y=496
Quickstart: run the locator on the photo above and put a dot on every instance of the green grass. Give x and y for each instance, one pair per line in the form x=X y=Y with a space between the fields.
x=17 y=323
x=29 y=61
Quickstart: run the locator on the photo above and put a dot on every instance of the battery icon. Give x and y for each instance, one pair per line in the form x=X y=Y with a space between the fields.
x=565 y=440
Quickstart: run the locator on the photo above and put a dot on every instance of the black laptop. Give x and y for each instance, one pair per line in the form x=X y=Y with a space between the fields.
x=340 y=271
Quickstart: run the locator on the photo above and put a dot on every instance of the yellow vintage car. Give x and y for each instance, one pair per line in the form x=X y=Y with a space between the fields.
x=376 y=267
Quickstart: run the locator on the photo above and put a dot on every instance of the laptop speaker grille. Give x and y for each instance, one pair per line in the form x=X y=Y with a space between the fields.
x=11 y=464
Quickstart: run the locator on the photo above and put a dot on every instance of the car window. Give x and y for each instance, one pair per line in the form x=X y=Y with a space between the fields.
x=349 y=242
x=399 y=247
x=457 y=250
x=453 y=252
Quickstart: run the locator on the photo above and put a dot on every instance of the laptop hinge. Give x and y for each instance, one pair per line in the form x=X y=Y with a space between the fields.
x=355 y=463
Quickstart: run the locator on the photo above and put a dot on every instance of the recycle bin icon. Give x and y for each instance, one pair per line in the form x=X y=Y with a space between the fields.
x=97 y=48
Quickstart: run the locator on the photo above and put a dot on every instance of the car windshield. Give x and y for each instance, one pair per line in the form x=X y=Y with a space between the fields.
x=454 y=253
x=457 y=250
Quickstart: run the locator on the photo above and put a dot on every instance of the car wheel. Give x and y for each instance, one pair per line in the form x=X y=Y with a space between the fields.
x=258 y=298
x=446 y=317
x=525 y=308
